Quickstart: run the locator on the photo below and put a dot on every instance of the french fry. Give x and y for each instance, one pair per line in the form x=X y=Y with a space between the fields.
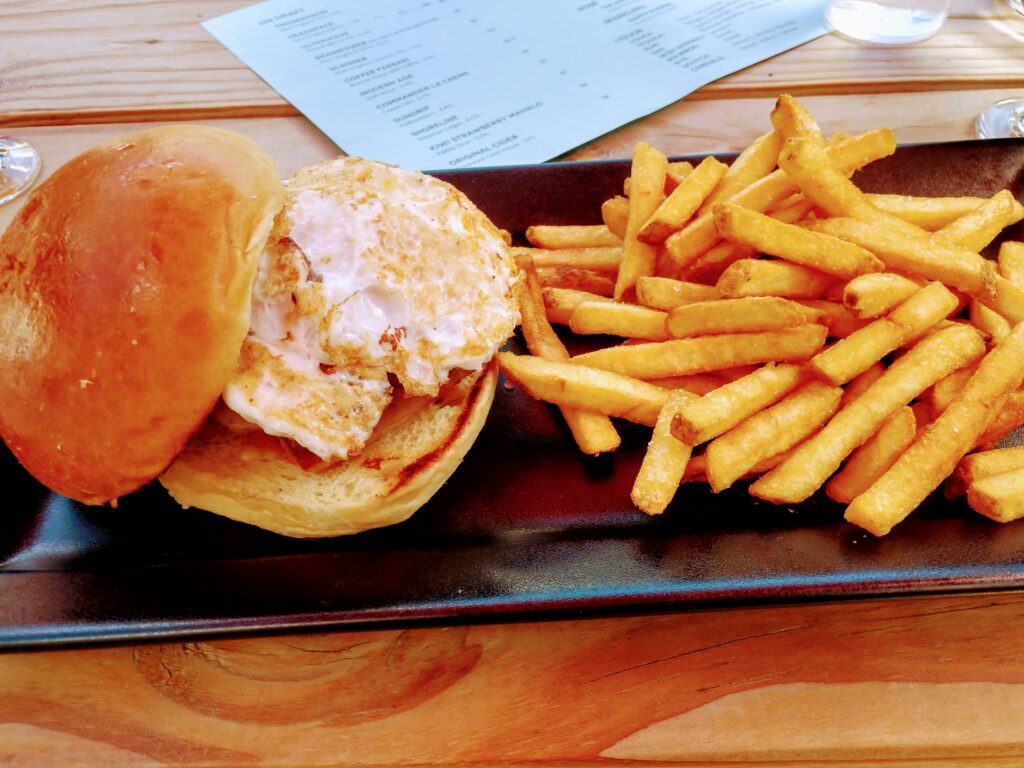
x=1008 y=416
x=799 y=246
x=676 y=173
x=998 y=497
x=1008 y=300
x=936 y=452
x=664 y=462
x=929 y=213
x=839 y=320
x=723 y=408
x=667 y=294
x=604 y=259
x=795 y=211
x=860 y=383
x=987 y=320
x=1011 y=262
x=760 y=277
x=696 y=467
x=858 y=351
x=709 y=266
x=561 y=302
x=817 y=458
x=627 y=320
x=706 y=354
x=696 y=383
x=700 y=234
x=754 y=313
x=753 y=163
x=873 y=295
x=585 y=388
x=776 y=428
x=572 y=236
x=685 y=199
x=648 y=184
x=808 y=164
x=917 y=256
x=615 y=215
x=594 y=433
x=974 y=230
x=871 y=460
x=941 y=394
x=977 y=466
x=789 y=118
x=577 y=279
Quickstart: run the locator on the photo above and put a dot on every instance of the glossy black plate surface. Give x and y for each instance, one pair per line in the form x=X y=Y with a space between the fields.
x=526 y=527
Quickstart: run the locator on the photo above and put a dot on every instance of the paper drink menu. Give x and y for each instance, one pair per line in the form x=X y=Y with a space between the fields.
x=442 y=84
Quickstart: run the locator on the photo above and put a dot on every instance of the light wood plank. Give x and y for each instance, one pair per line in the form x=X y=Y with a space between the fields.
x=848 y=679
x=65 y=62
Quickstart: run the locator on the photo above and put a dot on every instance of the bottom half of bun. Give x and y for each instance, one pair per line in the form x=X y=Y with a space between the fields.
x=249 y=477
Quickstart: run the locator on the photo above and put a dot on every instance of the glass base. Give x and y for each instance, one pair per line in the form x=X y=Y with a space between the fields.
x=1003 y=120
x=19 y=167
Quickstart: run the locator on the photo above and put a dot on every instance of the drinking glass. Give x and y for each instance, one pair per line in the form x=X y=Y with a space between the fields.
x=19 y=167
x=1004 y=119
x=890 y=22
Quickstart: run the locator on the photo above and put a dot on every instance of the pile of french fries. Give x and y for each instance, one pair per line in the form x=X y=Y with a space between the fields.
x=783 y=326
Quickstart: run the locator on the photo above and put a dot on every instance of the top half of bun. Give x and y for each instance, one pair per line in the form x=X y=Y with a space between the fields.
x=125 y=287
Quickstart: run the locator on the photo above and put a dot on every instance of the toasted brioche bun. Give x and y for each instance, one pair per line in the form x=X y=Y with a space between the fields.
x=242 y=473
x=124 y=300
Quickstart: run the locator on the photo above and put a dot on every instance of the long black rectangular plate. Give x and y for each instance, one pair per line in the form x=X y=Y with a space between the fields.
x=527 y=526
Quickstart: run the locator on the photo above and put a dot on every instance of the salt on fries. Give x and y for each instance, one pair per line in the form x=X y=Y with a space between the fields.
x=726 y=283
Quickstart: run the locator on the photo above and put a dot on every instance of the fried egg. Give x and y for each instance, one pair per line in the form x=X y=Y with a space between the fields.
x=372 y=275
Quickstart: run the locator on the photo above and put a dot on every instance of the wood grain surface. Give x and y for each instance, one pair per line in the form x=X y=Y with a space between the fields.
x=935 y=679
x=926 y=682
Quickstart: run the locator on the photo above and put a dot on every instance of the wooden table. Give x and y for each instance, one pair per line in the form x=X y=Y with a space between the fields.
x=923 y=681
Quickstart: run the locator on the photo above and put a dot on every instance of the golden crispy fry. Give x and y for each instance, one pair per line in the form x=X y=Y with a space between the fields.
x=577 y=279
x=877 y=294
x=839 y=320
x=754 y=313
x=593 y=432
x=646 y=193
x=615 y=215
x=696 y=467
x=1011 y=262
x=858 y=351
x=978 y=228
x=585 y=388
x=706 y=354
x=665 y=293
x=685 y=199
x=999 y=497
x=976 y=466
x=860 y=383
x=987 y=320
x=1008 y=416
x=789 y=118
x=664 y=462
x=935 y=453
x=776 y=428
x=709 y=266
x=676 y=173
x=815 y=460
x=603 y=259
x=917 y=256
x=572 y=236
x=800 y=246
x=560 y=302
x=945 y=389
x=723 y=408
x=1008 y=300
x=795 y=211
x=626 y=320
x=929 y=213
x=760 y=277
x=871 y=460
x=753 y=163
x=808 y=164
x=695 y=383
x=700 y=234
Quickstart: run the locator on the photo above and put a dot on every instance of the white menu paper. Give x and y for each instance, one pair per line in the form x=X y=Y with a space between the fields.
x=440 y=84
